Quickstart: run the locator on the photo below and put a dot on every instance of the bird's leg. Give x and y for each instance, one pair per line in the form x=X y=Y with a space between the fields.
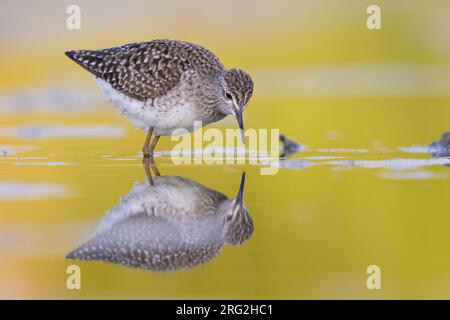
x=153 y=144
x=145 y=148
x=149 y=175
x=147 y=162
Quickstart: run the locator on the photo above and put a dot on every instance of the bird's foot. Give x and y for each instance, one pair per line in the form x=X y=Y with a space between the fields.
x=147 y=154
x=148 y=158
x=149 y=164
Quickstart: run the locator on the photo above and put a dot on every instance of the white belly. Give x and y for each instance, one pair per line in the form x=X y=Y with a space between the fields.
x=162 y=117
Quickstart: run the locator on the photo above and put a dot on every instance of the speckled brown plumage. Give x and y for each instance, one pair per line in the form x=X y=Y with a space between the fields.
x=147 y=69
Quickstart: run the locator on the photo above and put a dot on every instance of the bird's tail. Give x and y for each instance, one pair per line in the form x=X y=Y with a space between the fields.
x=90 y=60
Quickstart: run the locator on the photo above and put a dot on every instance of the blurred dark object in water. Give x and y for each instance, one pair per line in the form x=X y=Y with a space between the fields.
x=441 y=148
x=289 y=146
x=170 y=224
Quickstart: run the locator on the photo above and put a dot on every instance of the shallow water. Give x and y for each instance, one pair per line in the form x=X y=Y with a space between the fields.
x=362 y=193
x=364 y=189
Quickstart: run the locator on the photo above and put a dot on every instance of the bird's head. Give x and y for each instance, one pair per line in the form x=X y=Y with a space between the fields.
x=236 y=91
x=237 y=222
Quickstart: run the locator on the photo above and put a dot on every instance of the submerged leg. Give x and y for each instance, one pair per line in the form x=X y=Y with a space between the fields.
x=148 y=162
x=145 y=148
x=155 y=170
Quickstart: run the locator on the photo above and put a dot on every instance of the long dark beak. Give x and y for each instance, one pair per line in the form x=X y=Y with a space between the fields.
x=241 y=124
x=240 y=195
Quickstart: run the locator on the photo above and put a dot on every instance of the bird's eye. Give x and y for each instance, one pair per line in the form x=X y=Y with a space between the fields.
x=228 y=96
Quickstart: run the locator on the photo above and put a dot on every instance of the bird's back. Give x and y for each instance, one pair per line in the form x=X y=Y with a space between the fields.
x=147 y=70
x=171 y=197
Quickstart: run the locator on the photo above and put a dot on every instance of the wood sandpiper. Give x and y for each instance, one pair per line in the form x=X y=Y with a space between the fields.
x=164 y=85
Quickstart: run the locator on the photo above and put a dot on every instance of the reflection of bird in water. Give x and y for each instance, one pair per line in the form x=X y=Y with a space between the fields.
x=164 y=85
x=289 y=146
x=441 y=148
x=173 y=223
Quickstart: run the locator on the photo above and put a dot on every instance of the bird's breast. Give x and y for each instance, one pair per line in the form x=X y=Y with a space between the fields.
x=177 y=109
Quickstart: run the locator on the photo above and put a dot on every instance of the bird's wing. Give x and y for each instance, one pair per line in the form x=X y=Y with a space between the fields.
x=149 y=69
x=154 y=243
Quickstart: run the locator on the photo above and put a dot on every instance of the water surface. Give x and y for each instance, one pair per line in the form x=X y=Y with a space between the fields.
x=364 y=193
